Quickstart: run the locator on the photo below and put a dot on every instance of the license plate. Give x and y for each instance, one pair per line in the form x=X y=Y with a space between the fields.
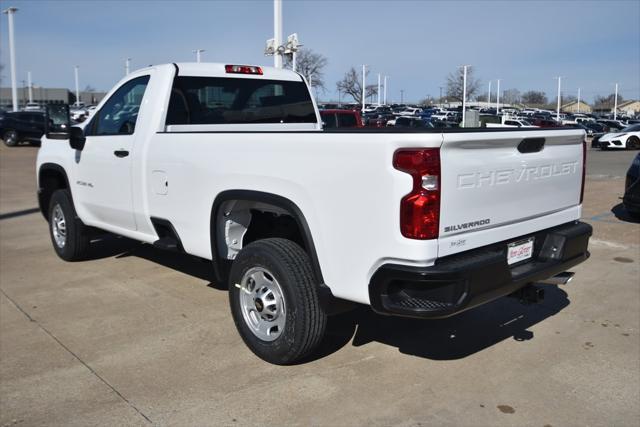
x=519 y=251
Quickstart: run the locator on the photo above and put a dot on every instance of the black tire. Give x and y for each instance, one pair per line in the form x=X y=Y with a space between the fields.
x=10 y=138
x=76 y=236
x=304 y=320
x=633 y=143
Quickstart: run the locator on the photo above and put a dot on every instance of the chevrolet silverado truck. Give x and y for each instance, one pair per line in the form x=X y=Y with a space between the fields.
x=230 y=163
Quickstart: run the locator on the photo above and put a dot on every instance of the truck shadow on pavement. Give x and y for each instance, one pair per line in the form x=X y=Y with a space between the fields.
x=444 y=339
x=441 y=339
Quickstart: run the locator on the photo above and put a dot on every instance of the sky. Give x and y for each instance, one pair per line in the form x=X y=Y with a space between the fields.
x=591 y=44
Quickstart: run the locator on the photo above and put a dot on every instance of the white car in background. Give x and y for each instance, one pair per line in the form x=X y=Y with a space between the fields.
x=410 y=111
x=628 y=137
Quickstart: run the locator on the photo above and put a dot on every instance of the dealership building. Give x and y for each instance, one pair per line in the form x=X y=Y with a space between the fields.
x=48 y=95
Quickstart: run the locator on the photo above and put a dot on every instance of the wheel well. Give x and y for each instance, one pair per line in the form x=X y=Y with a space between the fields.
x=50 y=179
x=241 y=217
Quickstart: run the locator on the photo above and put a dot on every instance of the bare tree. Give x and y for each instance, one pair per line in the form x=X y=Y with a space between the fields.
x=455 y=84
x=89 y=88
x=511 y=96
x=352 y=85
x=607 y=101
x=534 y=97
x=311 y=65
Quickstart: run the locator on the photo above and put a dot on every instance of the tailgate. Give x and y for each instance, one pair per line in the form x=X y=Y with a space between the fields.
x=494 y=179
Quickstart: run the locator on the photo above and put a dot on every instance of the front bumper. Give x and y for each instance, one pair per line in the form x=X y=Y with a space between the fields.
x=462 y=281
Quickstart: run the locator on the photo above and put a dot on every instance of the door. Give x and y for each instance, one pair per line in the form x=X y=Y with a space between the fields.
x=103 y=178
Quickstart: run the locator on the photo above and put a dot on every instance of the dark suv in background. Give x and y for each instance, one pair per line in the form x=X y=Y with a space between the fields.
x=21 y=126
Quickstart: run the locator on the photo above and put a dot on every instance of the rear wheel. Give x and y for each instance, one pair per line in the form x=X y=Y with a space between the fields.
x=10 y=138
x=633 y=143
x=274 y=301
x=69 y=235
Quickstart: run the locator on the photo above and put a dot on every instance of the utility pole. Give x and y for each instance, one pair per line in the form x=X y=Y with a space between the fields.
x=385 y=90
x=489 y=95
x=12 y=55
x=558 y=105
x=464 y=93
x=378 y=89
x=615 y=104
x=198 y=52
x=364 y=85
x=277 y=33
x=77 y=86
x=30 y=86
x=578 y=100
x=401 y=96
x=127 y=63
x=498 y=98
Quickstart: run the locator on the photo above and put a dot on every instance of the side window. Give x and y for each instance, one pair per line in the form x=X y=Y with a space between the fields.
x=347 y=121
x=329 y=120
x=118 y=116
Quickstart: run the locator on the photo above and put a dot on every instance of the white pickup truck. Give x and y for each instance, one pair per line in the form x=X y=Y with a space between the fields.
x=230 y=163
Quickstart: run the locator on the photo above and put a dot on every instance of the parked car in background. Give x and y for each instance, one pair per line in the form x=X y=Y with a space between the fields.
x=412 y=122
x=19 y=126
x=545 y=123
x=611 y=125
x=631 y=198
x=511 y=123
x=410 y=111
x=78 y=114
x=378 y=120
x=627 y=138
x=33 y=106
x=341 y=119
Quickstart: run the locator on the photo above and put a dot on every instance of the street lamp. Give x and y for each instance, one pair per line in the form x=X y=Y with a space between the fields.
x=464 y=93
x=30 y=86
x=77 y=86
x=12 y=55
x=364 y=85
x=489 y=95
x=277 y=33
x=127 y=63
x=498 y=98
x=198 y=52
x=615 y=104
x=385 y=90
x=559 y=96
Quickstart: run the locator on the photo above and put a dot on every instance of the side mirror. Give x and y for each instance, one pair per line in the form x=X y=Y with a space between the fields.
x=76 y=138
x=57 y=122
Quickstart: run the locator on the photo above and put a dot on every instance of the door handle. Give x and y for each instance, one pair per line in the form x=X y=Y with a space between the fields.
x=121 y=153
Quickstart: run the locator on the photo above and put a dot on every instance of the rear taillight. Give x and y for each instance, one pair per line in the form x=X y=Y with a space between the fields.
x=584 y=168
x=420 y=209
x=243 y=69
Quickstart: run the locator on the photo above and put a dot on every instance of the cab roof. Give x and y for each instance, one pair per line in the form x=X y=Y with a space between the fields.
x=212 y=69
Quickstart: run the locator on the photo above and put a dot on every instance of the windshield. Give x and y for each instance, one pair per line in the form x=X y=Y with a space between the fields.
x=632 y=128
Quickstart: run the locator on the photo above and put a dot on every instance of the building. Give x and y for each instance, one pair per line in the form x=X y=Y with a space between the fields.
x=630 y=108
x=573 y=107
x=47 y=95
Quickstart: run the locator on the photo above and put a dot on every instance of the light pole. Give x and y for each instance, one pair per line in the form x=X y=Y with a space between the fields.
x=12 y=55
x=498 y=98
x=578 y=100
x=464 y=93
x=77 y=86
x=378 y=89
x=385 y=90
x=277 y=33
x=127 y=63
x=401 y=96
x=30 y=86
x=440 y=100
x=198 y=52
x=615 y=104
x=558 y=104
x=489 y=95
x=364 y=85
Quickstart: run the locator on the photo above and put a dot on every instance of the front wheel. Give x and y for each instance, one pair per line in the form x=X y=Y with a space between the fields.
x=274 y=301
x=68 y=234
x=10 y=138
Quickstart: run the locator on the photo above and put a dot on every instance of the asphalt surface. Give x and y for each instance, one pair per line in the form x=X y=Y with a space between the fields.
x=137 y=336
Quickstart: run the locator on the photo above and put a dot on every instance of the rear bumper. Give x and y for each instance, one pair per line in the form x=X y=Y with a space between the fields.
x=462 y=281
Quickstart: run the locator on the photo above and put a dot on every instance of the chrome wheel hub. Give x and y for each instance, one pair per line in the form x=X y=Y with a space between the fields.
x=262 y=304
x=59 y=227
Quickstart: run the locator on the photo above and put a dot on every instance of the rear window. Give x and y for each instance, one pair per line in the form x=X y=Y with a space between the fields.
x=219 y=100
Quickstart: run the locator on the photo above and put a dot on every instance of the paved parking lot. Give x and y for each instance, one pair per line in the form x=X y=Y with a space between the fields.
x=139 y=336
